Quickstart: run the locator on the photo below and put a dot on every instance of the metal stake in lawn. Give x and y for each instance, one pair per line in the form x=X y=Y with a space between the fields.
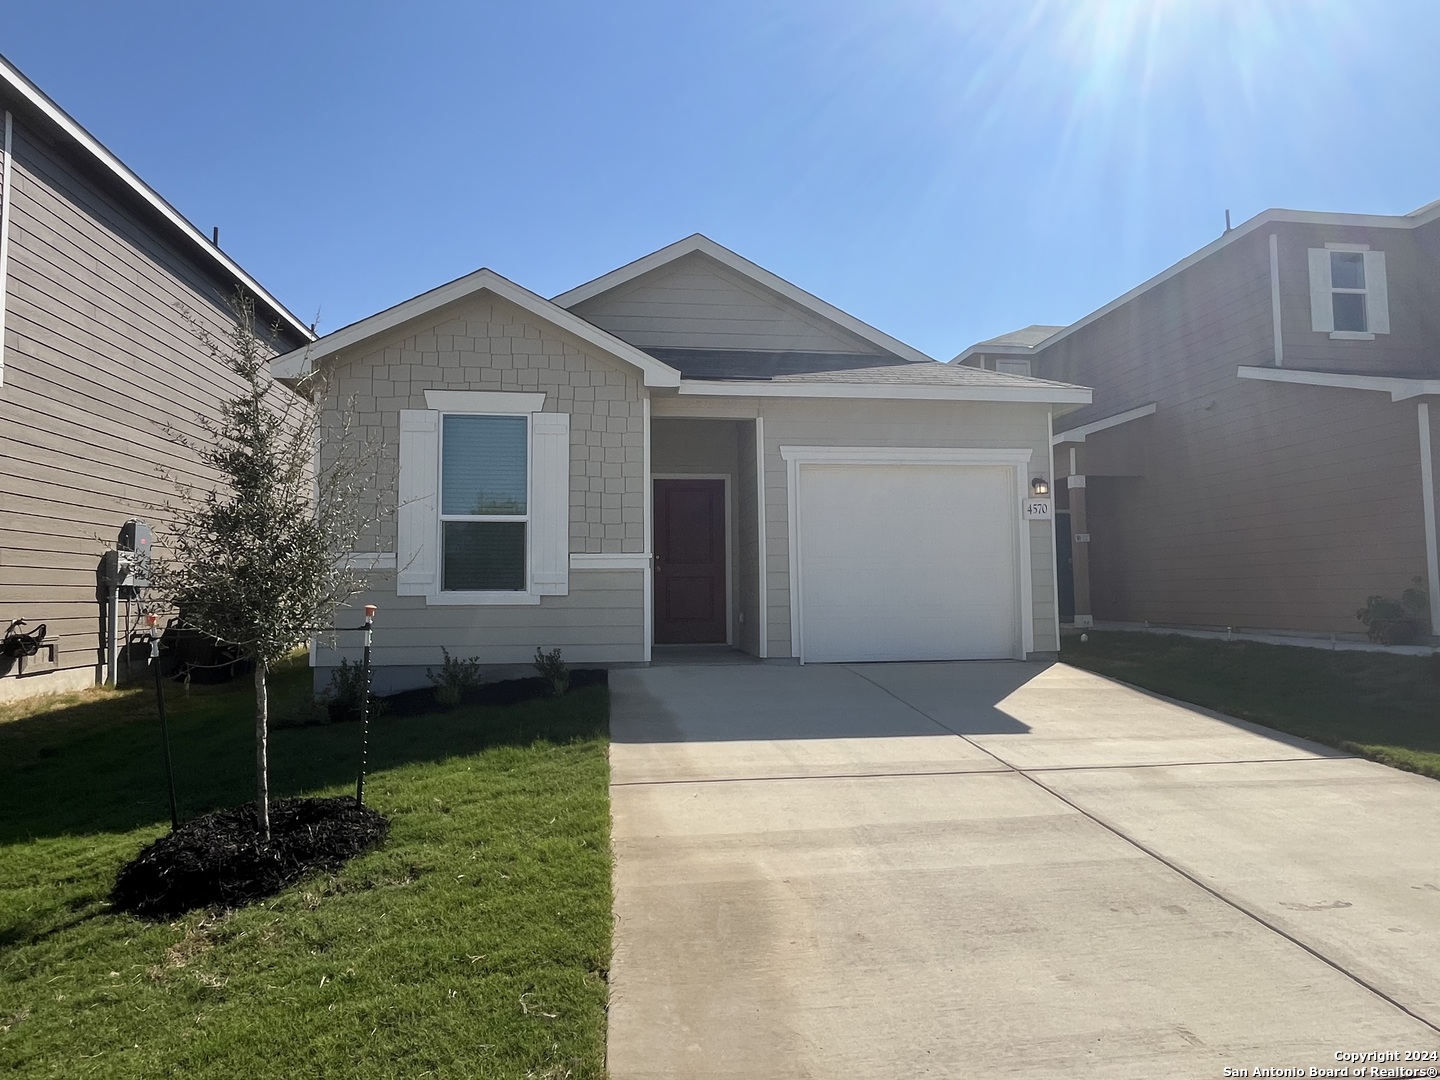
x=365 y=706
x=151 y=620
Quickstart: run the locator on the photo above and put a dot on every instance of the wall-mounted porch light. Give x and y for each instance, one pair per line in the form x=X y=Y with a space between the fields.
x=1040 y=486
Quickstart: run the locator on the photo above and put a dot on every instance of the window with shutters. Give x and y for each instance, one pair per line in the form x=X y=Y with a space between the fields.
x=1348 y=294
x=484 y=499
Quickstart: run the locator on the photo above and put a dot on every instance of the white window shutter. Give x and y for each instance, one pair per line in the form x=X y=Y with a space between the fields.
x=1377 y=295
x=550 y=504
x=1322 y=309
x=417 y=521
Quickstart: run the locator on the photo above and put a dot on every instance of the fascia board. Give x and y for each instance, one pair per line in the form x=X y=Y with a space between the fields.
x=1056 y=395
x=703 y=245
x=62 y=120
x=299 y=362
x=1079 y=434
x=1399 y=389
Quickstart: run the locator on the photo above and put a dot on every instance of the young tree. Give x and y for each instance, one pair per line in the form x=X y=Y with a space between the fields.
x=259 y=560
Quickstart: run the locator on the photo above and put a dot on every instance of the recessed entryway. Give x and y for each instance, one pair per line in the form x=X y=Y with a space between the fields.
x=690 y=562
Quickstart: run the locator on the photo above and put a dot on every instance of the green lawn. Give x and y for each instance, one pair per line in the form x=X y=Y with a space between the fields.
x=1383 y=707
x=476 y=942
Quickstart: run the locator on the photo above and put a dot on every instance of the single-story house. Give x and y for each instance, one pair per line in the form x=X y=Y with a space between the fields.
x=688 y=450
x=1259 y=452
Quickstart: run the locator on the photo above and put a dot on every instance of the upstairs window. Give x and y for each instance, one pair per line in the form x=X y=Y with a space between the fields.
x=1348 y=296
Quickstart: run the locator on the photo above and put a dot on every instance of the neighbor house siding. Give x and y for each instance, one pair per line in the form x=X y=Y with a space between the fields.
x=1411 y=272
x=695 y=303
x=1243 y=503
x=101 y=368
x=485 y=343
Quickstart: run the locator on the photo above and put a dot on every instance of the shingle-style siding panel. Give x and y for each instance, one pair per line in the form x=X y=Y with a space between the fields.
x=488 y=344
x=695 y=303
x=1244 y=503
x=99 y=363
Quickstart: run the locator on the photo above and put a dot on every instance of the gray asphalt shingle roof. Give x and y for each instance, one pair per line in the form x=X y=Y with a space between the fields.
x=795 y=367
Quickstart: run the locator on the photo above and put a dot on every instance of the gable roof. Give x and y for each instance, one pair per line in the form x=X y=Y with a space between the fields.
x=39 y=109
x=1022 y=342
x=302 y=361
x=698 y=243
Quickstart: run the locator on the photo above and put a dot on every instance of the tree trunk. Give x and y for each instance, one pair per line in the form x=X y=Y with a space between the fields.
x=262 y=738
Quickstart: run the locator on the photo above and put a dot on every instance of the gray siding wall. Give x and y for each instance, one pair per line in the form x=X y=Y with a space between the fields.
x=1243 y=503
x=843 y=422
x=485 y=343
x=747 y=503
x=696 y=303
x=98 y=363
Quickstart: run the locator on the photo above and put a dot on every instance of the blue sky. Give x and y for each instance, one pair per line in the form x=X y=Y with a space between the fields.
x=946 y=171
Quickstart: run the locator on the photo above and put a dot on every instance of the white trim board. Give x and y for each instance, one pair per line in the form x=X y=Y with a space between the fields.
x=1079 y=434
x=300 y=362
x=698 y=243
x=586 y=560
x=1044 y=394
x=1018 y=459
x=485 y=401
x=5 y=201
x=1427 y=499
x=1399 y=389
x=57 y=116
x=763 y=579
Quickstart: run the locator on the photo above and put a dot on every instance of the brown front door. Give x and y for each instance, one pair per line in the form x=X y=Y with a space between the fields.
x=689 y=562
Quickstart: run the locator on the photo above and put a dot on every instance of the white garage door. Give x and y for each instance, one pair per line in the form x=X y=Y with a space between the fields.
x=907 y=562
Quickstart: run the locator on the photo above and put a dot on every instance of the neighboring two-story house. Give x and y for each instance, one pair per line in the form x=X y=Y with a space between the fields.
x=1259 y=451
x=97 y=359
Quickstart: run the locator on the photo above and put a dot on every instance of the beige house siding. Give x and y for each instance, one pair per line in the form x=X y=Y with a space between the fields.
x=98 y=362
x=696 y=303
x=747 y=551
x=486 y=343
x=845 y=422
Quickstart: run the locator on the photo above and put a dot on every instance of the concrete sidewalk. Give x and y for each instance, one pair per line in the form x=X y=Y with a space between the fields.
x=1008 y=869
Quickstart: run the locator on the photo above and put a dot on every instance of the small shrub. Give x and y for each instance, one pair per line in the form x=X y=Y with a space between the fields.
x=1397 y=622
x=553 y=670
x=454 y=678
x=346 y=691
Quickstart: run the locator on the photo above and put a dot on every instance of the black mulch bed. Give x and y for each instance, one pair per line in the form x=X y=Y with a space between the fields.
x=509 y=692
x=218 y=859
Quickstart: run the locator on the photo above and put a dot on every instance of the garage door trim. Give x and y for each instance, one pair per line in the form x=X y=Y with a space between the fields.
x=1018 y=460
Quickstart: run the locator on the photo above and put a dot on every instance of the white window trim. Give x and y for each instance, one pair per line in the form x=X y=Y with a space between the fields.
x=1375 y=292
x=456 y=597
x=1018 y=459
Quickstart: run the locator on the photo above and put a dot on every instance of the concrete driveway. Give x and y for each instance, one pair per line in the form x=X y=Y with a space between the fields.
x=1002 y=869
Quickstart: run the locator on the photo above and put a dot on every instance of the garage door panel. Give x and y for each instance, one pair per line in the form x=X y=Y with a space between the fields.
x=907 y=562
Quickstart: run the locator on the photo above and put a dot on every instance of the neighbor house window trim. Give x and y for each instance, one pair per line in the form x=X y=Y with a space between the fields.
x=1373 y=291
x=524 y=594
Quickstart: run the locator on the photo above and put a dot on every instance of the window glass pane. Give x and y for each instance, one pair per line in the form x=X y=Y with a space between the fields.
x=483 y=465
x=1347 y=270
x=1350 y=311
x=483 y=556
